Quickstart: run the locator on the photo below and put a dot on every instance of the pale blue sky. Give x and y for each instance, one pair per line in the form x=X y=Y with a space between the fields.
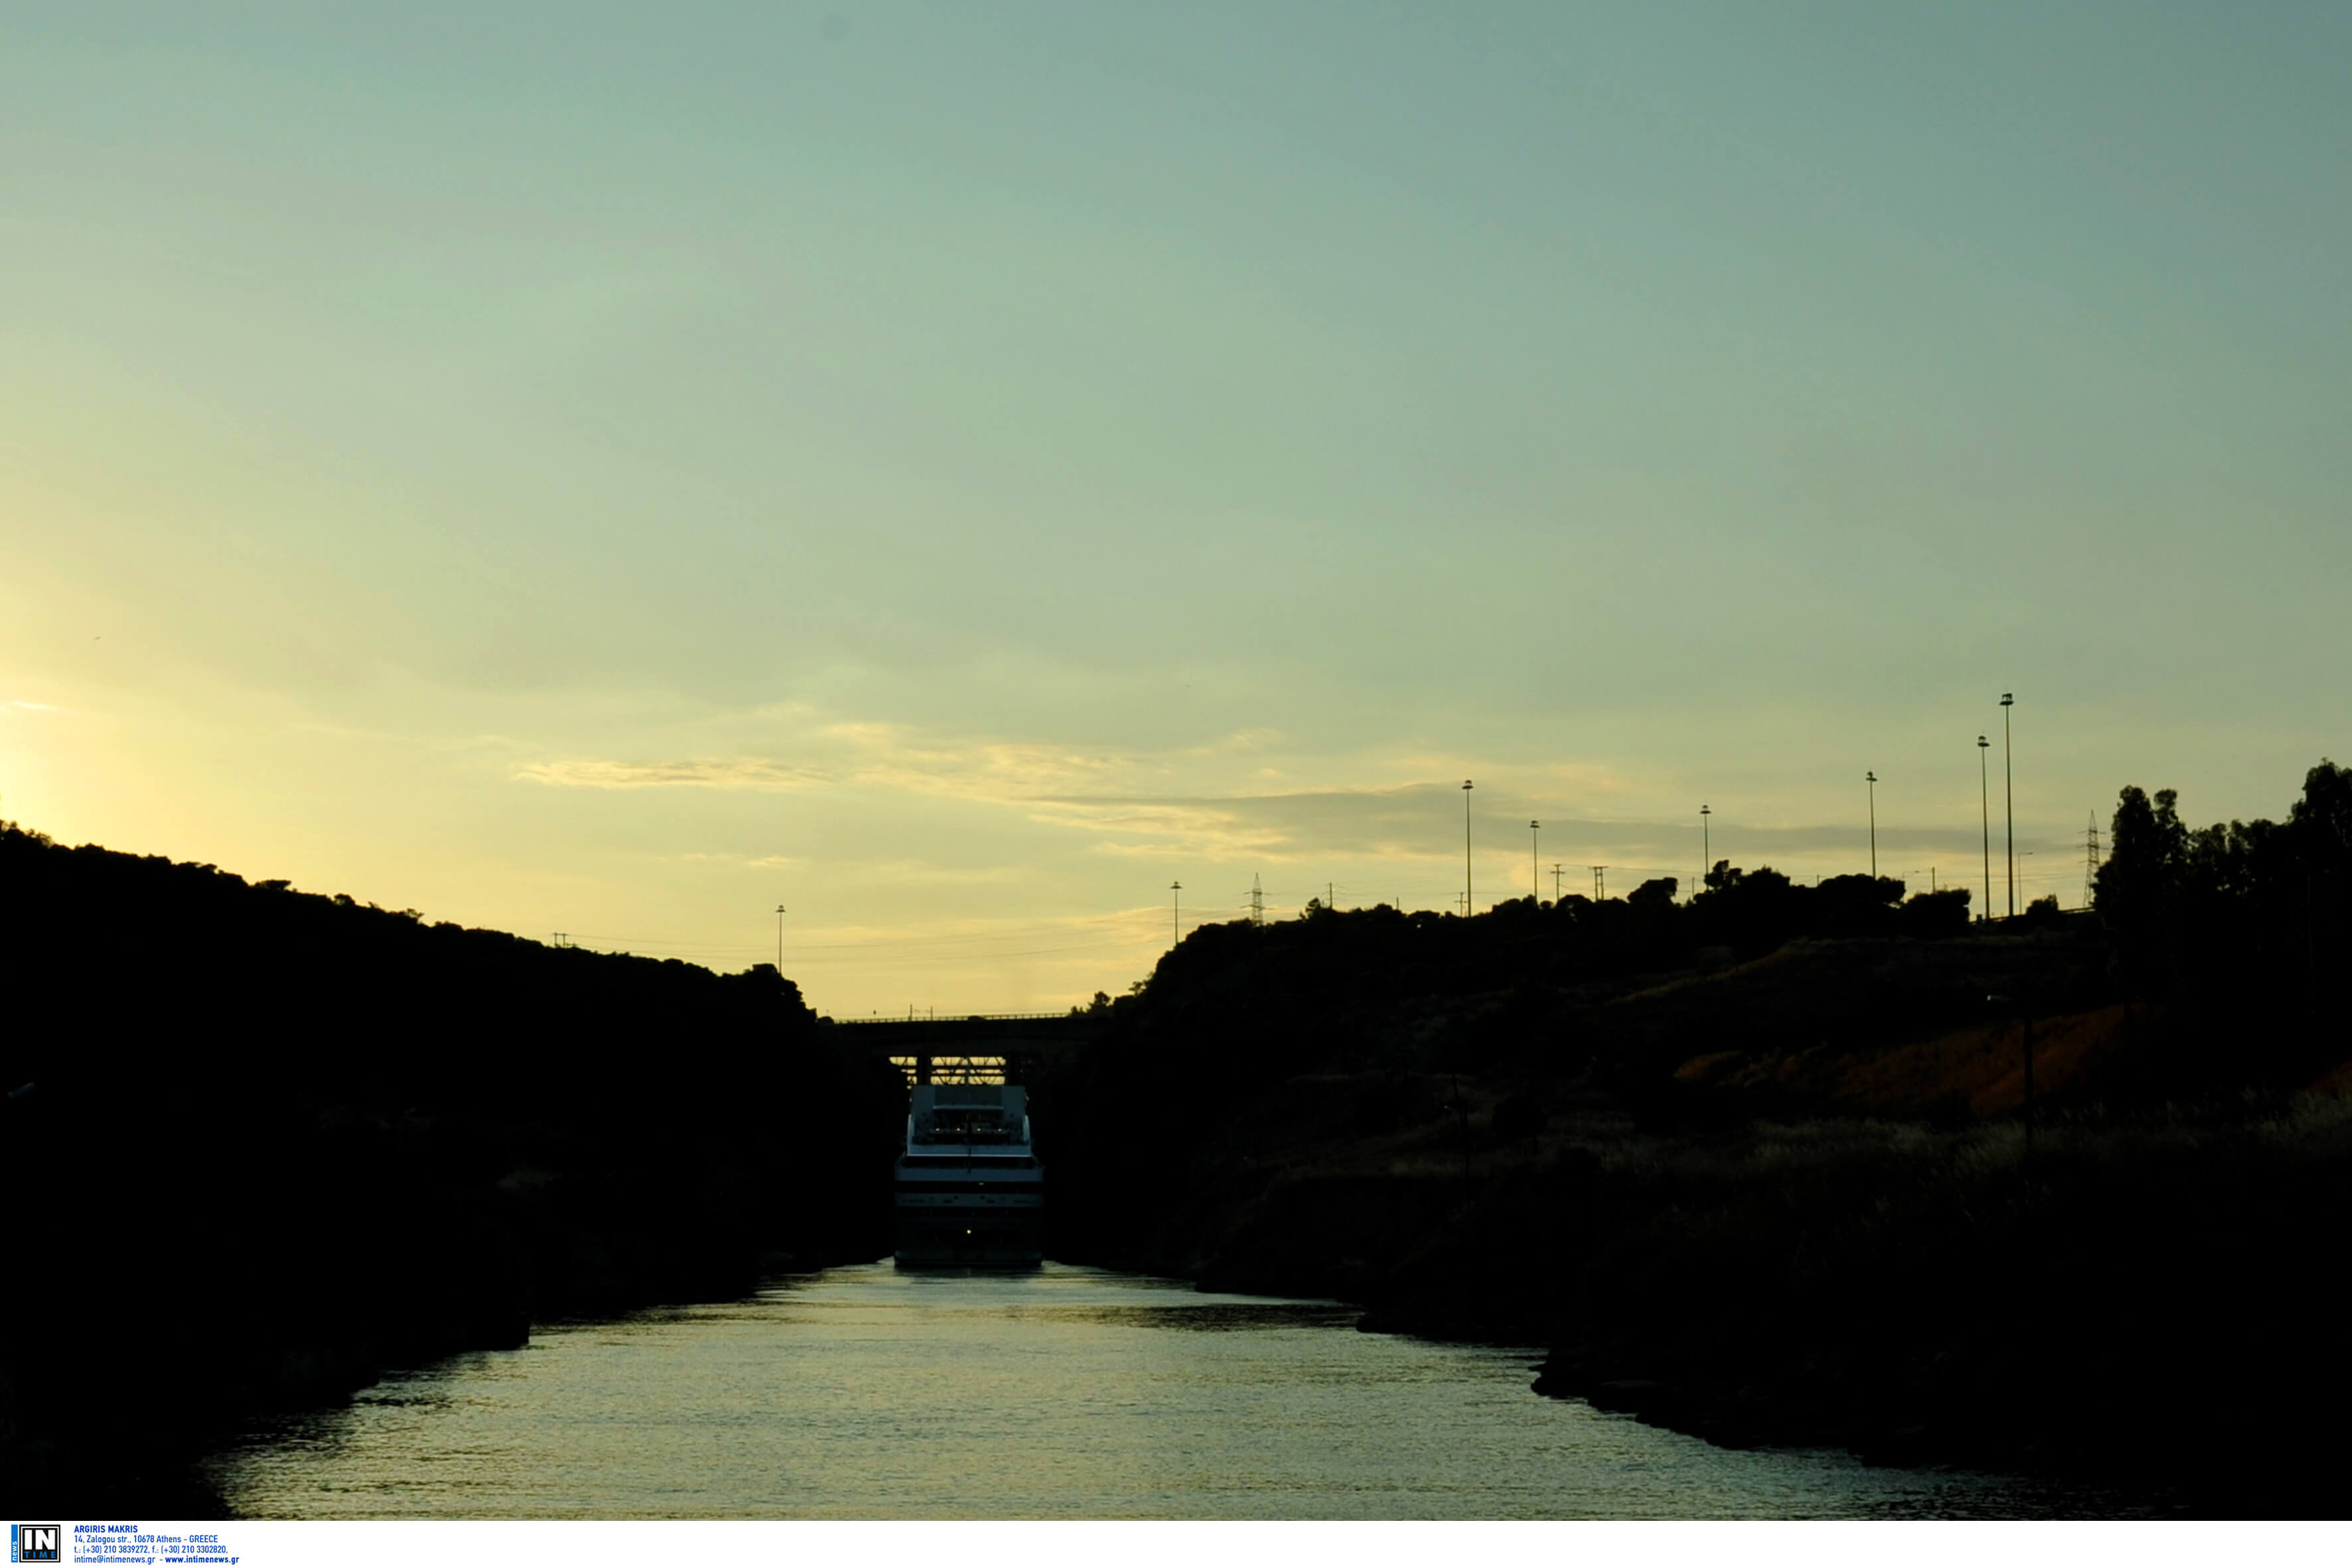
x=955 y=469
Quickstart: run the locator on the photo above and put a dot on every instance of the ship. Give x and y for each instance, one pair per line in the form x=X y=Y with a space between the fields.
x=970 y=1189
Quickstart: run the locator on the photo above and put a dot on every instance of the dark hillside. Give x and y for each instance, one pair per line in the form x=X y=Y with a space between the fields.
x=263 y=1143
x=1760 y=1165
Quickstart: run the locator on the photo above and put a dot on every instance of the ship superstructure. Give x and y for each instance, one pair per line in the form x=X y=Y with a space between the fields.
x=970 y=1190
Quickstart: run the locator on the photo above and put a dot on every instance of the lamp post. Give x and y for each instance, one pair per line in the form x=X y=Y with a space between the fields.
x=1706 y=854
x=1535 y=865
x=2008 y=791
x=1984 y=810
x=1175 y=913
x=1467 y=905
x=1871 y=778
x=780 y=940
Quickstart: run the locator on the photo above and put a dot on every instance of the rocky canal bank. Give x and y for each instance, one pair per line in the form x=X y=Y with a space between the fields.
x=310 y=1139
x=1788 y=1201
x=2150 y=1306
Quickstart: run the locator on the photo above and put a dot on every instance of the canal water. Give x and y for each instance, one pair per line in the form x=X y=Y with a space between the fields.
x=1068 y=1392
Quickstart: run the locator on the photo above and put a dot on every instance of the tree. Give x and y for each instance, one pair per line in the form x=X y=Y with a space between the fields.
x=1937 y=914
x=2322 y=823
x=2147 y=849
x=1657 y=891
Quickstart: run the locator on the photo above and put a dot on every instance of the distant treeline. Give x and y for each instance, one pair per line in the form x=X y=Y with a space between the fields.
x=262 y=1143
x=1338 y=973
x=2219 y=908
x=2242 y=924
x=1520 y=942
x=1524 y=991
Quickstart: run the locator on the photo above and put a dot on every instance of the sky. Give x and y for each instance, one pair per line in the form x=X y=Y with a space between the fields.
x=954 y=471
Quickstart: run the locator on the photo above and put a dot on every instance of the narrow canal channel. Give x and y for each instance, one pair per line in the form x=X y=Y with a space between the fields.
x=1065 y=1393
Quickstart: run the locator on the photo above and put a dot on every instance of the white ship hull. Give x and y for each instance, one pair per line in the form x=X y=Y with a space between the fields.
x=970 y=1190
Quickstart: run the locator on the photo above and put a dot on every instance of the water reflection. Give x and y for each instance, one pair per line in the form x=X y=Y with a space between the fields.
x=1207 y=1317
x=1063 y=1393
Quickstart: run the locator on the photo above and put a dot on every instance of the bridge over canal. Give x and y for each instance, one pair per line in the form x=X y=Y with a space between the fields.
x=1008 y=1047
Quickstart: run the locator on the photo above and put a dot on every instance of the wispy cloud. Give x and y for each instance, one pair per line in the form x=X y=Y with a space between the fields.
x=992 y=770
x=1141 y=803
x=702 y=773
x=872 y=756
x=1387 y=821
x=1166 y=804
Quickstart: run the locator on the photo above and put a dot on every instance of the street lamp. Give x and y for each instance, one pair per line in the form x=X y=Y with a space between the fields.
x=780 y=940
x=1175 y=913
x=2008 y=790
x=1535 y=865
x=1984 y=810
x=1871 y=779
x=1467 y=905
x=1706 y=854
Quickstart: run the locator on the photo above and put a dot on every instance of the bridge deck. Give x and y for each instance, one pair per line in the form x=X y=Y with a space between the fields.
x=1008 y=1047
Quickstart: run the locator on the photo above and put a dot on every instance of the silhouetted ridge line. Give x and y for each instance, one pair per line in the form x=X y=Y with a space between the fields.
x=1757 y=1164
x=310 y=1138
